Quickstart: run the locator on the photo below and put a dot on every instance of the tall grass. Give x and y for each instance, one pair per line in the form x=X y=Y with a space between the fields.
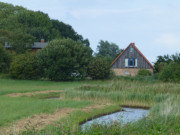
x=126 y=92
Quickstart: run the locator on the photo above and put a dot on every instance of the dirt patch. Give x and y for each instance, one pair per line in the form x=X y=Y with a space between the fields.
x=33 y=93
x=36 y=122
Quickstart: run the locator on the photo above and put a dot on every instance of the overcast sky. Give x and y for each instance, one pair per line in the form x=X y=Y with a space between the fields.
x=153 y=25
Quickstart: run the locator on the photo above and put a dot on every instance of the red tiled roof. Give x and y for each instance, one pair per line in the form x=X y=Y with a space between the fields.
x=133 y=44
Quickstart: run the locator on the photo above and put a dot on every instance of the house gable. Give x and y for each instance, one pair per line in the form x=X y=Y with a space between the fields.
x=131 y=57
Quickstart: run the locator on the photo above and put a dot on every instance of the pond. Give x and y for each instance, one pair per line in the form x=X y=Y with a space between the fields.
x=125 y=116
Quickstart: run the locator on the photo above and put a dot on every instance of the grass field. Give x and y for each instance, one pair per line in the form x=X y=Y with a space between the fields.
x=90 y=99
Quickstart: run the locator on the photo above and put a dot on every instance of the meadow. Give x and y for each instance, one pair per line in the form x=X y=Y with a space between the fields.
x=90 y=99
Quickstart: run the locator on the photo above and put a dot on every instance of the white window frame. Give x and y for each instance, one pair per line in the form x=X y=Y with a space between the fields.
x=136 y=62
x=126 y=62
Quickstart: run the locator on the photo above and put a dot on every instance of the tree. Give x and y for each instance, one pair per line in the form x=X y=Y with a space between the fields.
x=164 y=60
x=5 y=59
x=67 y=31
x=144 y=72
x=25 y=66
x=107 y=49
x=19 y=42
x=170 y=72
x=64 y=59
x=99 y=68
x=37 y=24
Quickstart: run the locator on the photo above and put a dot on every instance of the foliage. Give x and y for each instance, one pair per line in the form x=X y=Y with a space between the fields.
x=25 y=66
x=99 y=68
x=17 y=19
x=18 y=41
x=37 y=24
x=67 y=31
x=170 y=72
x=5 y=59
x=144 y=72
x=166 y=59
x=64 y=59
x=107 y=49
x=152 y=78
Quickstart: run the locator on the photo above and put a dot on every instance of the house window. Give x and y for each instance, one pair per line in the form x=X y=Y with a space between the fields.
x=126 y=72
x=131 y=62
x=131 y=49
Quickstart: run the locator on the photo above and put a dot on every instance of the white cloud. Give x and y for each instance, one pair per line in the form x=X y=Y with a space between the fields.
x=169 y=40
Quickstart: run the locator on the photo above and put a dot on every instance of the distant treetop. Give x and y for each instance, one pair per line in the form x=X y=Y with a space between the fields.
x=16 y=19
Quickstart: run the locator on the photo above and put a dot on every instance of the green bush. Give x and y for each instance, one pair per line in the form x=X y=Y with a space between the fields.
x=25 y=66
x=171 y=72
x=64 y=59
x=99 y=68
x=144 y=72
x=5 y=59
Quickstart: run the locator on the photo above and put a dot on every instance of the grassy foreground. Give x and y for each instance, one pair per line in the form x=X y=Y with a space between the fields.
x=163 y=98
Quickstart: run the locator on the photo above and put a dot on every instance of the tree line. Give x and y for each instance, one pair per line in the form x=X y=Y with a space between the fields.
x=22 y=27
x=167 y=67
x=67 y=56
x=61 y=60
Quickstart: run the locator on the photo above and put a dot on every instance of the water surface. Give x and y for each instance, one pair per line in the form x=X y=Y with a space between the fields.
x=128 y=115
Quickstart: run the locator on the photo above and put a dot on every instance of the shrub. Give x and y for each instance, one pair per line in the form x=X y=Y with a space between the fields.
x=171 y=72
x=99 y=68
x=25 y=66
x=5 y=59
x=144 y=72
x=64 y=59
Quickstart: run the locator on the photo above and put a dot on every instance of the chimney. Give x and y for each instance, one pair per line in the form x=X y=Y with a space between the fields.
x=42 y=41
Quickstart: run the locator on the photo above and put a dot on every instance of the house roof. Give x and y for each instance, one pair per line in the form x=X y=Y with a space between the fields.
x=36 y=45
x=39 y=45
x=133 y=44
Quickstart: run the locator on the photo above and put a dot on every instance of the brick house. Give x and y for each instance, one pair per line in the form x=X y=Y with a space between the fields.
x=130 y=61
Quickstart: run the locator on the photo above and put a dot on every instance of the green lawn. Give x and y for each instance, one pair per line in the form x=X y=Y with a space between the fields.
x=16 y=108
x=13 y=86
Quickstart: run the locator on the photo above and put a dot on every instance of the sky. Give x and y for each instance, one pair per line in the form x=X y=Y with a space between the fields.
x=153 y=25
